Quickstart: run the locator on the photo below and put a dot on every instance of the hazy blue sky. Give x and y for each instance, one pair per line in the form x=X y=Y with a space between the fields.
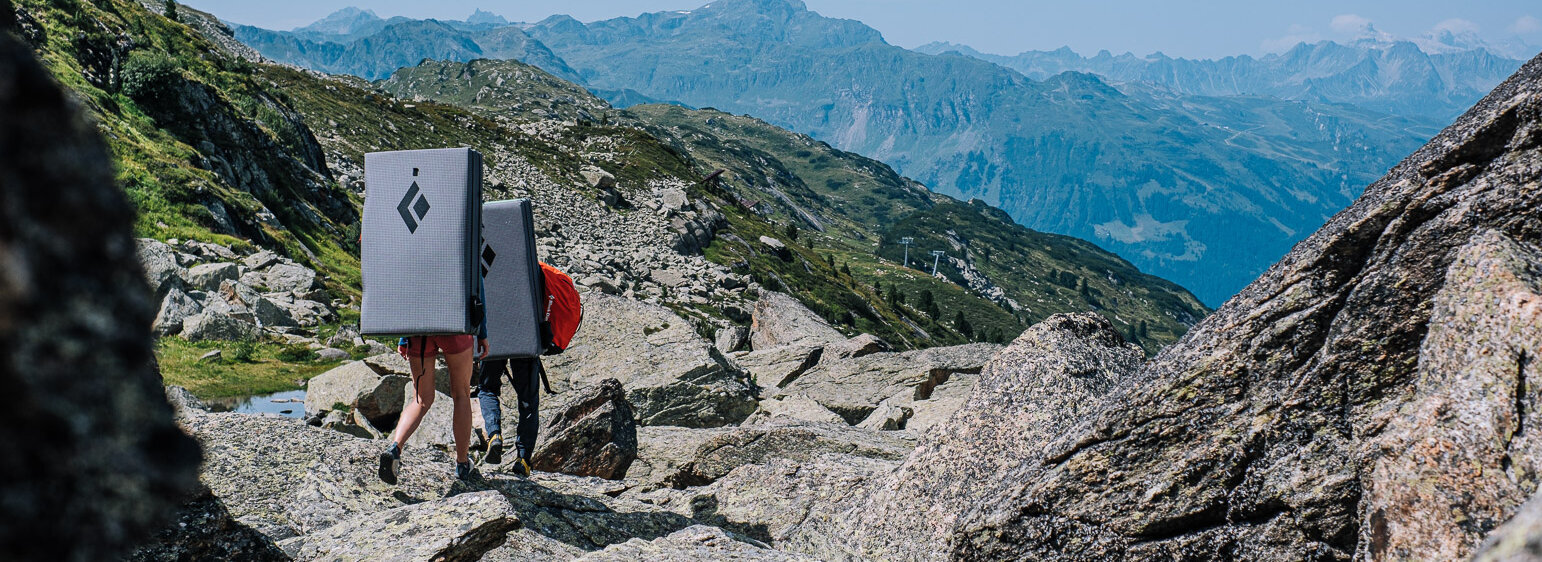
x=1191 y=28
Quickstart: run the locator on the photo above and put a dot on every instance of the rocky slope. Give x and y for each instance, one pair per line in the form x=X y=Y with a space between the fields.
x=1369 y=397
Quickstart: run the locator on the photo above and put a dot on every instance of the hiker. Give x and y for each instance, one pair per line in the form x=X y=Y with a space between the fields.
x=420 y=353
x=525 y=378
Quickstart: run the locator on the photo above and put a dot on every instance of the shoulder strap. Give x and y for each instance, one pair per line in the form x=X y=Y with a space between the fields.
x=542 y=367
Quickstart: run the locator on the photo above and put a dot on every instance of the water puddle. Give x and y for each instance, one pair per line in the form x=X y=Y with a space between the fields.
x=289 y=403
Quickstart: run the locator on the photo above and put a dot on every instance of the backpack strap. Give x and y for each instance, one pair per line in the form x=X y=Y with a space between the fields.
x=541 y=367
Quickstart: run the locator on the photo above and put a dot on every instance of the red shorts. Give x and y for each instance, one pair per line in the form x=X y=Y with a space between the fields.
x=429 y=345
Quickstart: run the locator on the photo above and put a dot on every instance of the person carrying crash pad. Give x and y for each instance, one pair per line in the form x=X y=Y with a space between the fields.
x=420 y=352
x=418 y=257
x=525 y=377
x=560 y=313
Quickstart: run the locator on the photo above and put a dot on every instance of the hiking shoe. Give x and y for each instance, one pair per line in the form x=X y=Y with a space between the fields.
x=494 y=450
x=463 y=471
x=390 y=464
x=522 y=467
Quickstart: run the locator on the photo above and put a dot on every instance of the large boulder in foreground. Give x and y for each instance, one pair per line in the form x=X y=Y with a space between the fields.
x=592 y=435
x=1052 y=376
x=779 y=320
x=672 y=376
x=1468 y=407
x=1300 y=421
x=94 y=462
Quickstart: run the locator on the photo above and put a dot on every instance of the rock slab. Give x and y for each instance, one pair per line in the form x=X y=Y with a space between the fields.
x=592 y=435
x=459 y=528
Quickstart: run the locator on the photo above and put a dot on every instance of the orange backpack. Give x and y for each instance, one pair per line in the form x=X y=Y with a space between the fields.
x=563 y=310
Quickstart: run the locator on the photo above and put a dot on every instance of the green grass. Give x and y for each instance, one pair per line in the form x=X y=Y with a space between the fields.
x=159 y=165
x=263 y=373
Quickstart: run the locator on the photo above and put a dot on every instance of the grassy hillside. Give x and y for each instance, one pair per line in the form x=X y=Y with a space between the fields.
x=205 y=147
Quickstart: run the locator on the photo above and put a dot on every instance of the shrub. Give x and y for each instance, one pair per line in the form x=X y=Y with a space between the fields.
x=295 y=353
x=241 y=351
x=150 y=78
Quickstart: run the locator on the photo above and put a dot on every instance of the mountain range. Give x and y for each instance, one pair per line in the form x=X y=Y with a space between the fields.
x=1205 y=188
x=1396 y=77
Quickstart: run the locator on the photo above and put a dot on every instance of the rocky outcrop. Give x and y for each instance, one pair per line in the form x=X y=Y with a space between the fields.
x=1469 y=407
x=1054 y=375
x=780 y=320
x=778 y=366
x=672 y=376
x=794 y=505
x=95 y=463
x=855 y=386
x=697 y=543
x=726 y=450
x=360 y=388
x=1265 y=432
x=792 y=407
x=662 y=450
x=592 y=435
x=857 y=346
x=213 y=325
x=215 y=287
x=458 y=528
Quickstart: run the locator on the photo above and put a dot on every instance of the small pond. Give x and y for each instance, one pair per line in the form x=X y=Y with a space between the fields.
x=289 y=403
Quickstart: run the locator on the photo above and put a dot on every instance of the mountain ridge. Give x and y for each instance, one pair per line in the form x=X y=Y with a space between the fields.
x=1325 y=71
x=969 y=129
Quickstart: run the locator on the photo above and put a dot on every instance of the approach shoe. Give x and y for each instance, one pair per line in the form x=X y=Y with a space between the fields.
x=390 y=464
x=494 y=450
x=464 y=472
x=522 y=467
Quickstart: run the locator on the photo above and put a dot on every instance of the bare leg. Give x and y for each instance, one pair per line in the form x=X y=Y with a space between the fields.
x=422 y=399
x=460 y=394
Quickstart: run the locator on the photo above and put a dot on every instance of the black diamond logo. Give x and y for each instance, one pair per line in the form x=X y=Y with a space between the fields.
x=488 y=256
x=420 y=207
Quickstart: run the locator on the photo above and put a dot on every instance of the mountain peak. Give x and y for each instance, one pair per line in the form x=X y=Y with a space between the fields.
x=758 y=6
x=343 y=21
x=480 y=17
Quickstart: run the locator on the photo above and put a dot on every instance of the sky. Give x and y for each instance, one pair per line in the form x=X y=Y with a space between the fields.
x=1179 y=28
